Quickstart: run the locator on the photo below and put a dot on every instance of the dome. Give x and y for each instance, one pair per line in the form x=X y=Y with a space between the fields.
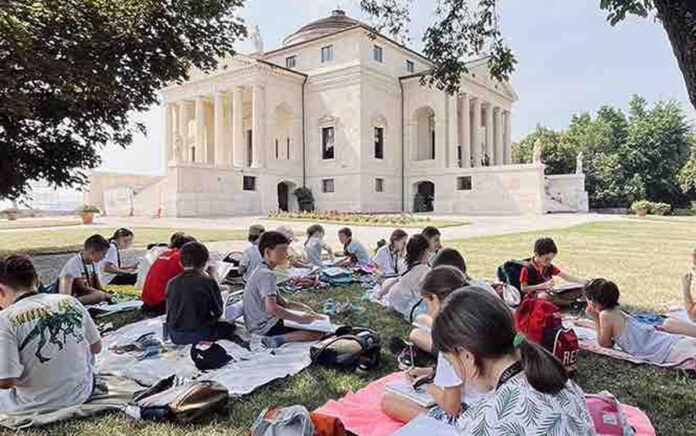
x=338 y=20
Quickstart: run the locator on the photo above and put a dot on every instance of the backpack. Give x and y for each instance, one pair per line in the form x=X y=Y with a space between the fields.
x=348 y=347
x=336 y=276
x=173 y=399
x=540 y=321
x=228 y=268
x=607 y=416
x=510 y=271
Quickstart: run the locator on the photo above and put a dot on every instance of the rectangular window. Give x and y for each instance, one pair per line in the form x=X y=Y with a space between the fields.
x=410 y=67
x=276 y=150
x=287 y=148
x=327 y=53
x=250 y=148
x=464 y=183
x=378 y=53
x=291 y=61
x=327 y=185
x=193 y=154
x=249 y=183
x=379 y=142
x=379 y=185
x=327 y=143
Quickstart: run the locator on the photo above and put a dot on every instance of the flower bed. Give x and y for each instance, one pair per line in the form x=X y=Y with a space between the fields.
x=362 y=218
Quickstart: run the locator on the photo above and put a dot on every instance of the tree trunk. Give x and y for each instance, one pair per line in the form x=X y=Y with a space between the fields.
x=679 y=20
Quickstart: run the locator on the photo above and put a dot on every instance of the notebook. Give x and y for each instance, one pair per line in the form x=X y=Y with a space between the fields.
x=404 y=388
x=567 y=287
x=320 y=325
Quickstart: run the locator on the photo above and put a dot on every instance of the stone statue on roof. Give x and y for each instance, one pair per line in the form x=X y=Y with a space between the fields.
x=579 y=163
x=255 y=36
x=538 y=150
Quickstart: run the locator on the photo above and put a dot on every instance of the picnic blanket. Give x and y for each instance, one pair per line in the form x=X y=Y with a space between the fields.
x=247 y=371
x=362 y=414
x=587 y=340
x=110 y=393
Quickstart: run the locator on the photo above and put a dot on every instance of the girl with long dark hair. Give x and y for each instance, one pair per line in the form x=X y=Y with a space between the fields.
x=113 y=271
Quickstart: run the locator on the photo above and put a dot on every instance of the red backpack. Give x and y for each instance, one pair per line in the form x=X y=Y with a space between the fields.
x=540 y=321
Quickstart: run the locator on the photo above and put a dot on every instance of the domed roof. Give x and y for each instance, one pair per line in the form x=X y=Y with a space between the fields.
x=338 y=20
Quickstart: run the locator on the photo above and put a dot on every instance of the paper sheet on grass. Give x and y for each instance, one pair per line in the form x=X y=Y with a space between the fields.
x=587 y=340
x=118 y=307
x=248 y=370
x=320 y=325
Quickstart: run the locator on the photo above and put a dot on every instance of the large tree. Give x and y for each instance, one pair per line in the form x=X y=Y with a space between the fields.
x=640 y=156
x=467 y=28
x=73 y=71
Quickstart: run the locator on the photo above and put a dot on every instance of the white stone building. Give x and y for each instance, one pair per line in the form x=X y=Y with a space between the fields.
x=340 y=109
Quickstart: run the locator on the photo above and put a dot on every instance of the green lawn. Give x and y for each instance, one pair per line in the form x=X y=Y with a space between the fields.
x=71 y=239
x=30 y=223
x=645 y=258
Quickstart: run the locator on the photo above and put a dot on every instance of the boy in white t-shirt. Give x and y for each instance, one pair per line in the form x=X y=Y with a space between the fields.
x=251 y=258
x=47 y=343
x=446 y=387
x=80 y=275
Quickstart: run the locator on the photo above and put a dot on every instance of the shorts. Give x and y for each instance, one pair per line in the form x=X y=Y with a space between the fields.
x=279 y=329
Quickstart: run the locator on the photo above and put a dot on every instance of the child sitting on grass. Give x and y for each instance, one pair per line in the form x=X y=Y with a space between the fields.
x=194 y=302
x=264 y=308
x=646 y=342
x=355 y=252
x=432 y=234
x=80 y=275
x=113 y=272
x=447 y=388
x=687 y=281
x=537 y=277
x=389 y=259
x=315 y=246
x=40 y=373
x=251 y=258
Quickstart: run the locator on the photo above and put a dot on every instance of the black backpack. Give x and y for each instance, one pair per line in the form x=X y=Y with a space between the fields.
x=510 y=272
x=348 y=348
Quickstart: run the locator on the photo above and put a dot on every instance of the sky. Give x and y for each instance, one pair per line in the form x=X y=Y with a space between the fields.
x=570 y=61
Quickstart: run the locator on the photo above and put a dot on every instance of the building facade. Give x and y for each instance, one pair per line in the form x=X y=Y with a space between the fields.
x=341 y=110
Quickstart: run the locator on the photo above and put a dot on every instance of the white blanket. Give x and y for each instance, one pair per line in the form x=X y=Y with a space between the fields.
x=246 y=372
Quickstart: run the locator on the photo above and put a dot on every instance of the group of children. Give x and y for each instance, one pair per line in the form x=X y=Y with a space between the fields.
x=49 y=338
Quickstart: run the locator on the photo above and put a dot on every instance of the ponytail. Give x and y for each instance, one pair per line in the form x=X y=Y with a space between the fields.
x=483 y=325
x=544 y=372
x=121 y=233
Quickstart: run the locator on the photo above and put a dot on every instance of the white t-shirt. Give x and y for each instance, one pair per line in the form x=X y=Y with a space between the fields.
x=446 y=377
x=389 y=263
x=406 y=293
x=44 y=344
x=111 y=257
x=251 y=259
x=76 y=268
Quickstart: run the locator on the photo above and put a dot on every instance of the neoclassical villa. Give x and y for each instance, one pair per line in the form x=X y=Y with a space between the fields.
x=341 y=110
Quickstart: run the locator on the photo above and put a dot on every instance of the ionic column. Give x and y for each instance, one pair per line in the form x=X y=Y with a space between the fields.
x=184 y=116
x=258 y=134
x=465 y=130
x=169 y=133
x=490 y=149
x=499 y=147
x=476 y=145
x=201 y=149
x=452 y=131
x=219 y=130
x=507 y=141
x=238 y=126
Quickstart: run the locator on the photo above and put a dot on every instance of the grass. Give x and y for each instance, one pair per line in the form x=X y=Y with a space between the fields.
x=70 y=239
x=413 y=225
x=645 y=258
x=34 y=223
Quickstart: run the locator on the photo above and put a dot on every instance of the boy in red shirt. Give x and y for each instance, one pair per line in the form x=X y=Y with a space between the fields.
x=166 y=267
x=538 y=275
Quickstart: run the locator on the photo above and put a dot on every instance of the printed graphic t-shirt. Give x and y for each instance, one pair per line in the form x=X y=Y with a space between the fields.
x=165 y=268
x=44 y=344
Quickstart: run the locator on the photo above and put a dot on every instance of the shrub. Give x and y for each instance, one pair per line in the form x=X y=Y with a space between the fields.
x=641 y=205
x=660 y=208
x=88 y=208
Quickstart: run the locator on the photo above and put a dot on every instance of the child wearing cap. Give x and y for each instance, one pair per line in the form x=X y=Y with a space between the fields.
x=251 y=258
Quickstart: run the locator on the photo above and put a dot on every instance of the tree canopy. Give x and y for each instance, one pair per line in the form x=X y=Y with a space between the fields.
x=464 y=29
x=72 y=71
x=646 y=154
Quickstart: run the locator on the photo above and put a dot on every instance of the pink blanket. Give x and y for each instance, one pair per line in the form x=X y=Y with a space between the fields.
x=361 y=413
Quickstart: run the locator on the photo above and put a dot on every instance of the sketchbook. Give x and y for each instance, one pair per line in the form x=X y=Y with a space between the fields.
x=567 y=287
x=404 y=388
x=321 y=325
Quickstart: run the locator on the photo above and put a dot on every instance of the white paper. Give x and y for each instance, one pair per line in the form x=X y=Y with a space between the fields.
x=320 y=325
x=405 y=389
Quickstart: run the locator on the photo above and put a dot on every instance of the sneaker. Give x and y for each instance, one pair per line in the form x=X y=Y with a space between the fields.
x=405 y=352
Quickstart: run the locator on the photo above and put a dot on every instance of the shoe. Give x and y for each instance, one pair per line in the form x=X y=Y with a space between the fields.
x=406 y=353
